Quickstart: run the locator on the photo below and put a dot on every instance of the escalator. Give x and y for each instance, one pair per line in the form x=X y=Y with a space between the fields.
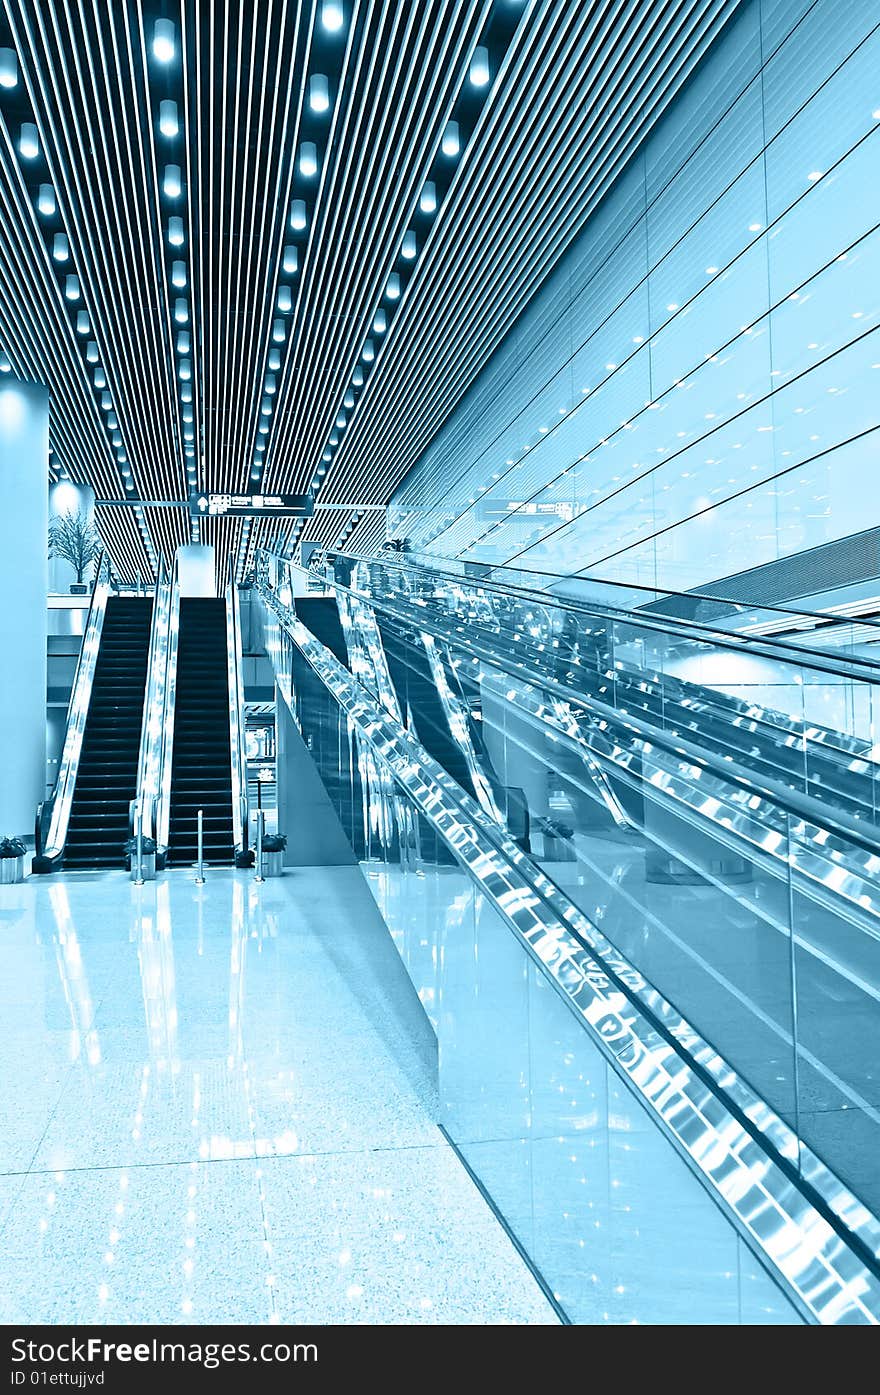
x=201 y=770
x=107 y=779
x=86 y=820
x=564 y=982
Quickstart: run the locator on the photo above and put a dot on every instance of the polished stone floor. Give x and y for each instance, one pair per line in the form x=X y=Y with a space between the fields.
x=219 y=1104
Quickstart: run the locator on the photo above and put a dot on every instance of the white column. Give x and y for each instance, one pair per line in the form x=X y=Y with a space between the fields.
x=24 y=566
x=195 y=570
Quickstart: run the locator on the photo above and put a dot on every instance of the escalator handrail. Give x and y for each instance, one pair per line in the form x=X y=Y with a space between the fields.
x=149 y=750
x=691 y=1093
x=861 y=669
x=237 y=743
x=56 y=810
x=166 y=716
x=816 y=618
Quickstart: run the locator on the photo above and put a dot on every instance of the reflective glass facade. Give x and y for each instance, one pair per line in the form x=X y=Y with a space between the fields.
x=697 y=388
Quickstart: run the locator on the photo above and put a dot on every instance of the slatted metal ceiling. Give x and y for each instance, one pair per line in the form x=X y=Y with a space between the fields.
x=369 y=192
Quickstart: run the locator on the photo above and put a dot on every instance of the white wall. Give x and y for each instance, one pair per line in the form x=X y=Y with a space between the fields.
x=24 y=467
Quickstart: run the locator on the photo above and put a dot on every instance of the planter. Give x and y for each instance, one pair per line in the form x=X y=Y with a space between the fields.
x=148 y=867
x=273 y=864
x=78 y=588
x=11 y=870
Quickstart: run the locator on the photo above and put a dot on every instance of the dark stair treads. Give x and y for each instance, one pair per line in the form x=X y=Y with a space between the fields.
x=107 y=778
x=201 y=770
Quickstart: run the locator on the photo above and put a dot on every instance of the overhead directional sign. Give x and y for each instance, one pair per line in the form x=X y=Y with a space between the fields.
x=250 y=505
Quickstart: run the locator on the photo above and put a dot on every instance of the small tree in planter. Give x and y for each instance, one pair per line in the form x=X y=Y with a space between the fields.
x=77 y=541
x=148 y=858
x=273 y=853
x=12 y=851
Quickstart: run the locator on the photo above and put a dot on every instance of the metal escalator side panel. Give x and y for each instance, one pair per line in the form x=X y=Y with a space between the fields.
x=237 y=746
x=164 y=731
x=145 y=813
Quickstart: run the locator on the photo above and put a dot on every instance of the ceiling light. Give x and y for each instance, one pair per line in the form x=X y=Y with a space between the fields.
x=91 y=352
x=328 y=455
x=5 y=365
x=348 y=399
x=319 y=93
x=178 y=274
x=392 y=289
x=163 y=41
x=82 y=322
x=279 y=333
x=183 y=342
x=308 y=159
x=409 y=248
x=380 y=322
x=185 y=370
x=113 y=423
x=266 y=407
x=181 y=310
x=168 y=119
x=479 y=70
x=451 y=142
x=332 y=16
x=290 y=260
x=100 y=378
x=357 y=376
x=106 y=401
x=175 y=232
x=298 y=215
x=186 y=393
x=171 y=185
x=187 y=415
x=369 y=352
x=270 y=382
x=29 y=141
x=285 y=300
x=60 y=247
x=275 y=358
x=428 y=200
x=46 y=201
x=8 y=67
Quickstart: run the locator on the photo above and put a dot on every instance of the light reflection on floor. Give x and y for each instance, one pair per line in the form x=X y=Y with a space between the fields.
x=219 y=1105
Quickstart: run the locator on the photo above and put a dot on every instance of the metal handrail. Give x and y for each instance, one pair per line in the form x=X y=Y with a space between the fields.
x=165 y=718
x=488 y=572
x=766 y=646
x=56 y=810
x=237 y=744
x=149 y=752
x=743 y=1153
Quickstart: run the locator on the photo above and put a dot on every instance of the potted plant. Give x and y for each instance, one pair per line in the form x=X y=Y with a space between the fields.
x=273 y=853
x=77 y=541
x=148 y=858
x=12 y=851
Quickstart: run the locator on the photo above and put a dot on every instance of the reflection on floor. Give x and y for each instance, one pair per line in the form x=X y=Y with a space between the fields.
x=218 y=1104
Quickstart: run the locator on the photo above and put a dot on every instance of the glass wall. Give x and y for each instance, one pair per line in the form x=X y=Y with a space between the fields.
x=697 y=388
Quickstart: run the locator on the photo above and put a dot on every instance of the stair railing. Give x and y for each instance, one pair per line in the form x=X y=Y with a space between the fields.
x=162 y=726
x=145 y=805
x=53 y=814
x=237 y=745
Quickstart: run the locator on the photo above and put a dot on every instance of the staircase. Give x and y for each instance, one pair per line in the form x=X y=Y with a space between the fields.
x=201 y=768
x=107 y=779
